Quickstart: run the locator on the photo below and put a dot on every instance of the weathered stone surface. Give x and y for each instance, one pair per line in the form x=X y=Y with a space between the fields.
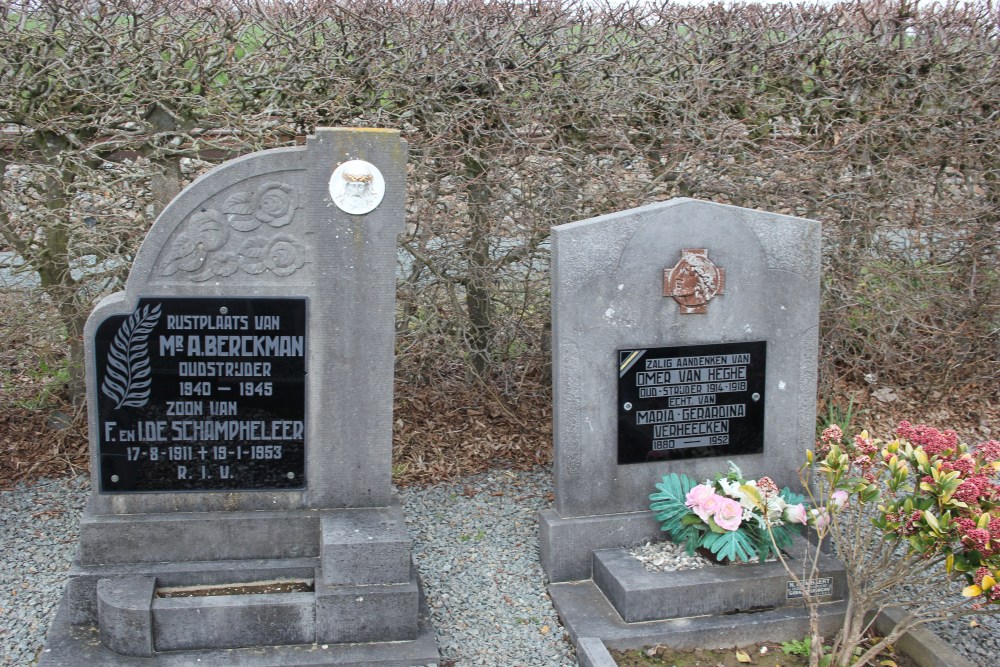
x=585 y=612
x=366 y=546
x=343 y=264
x=123 y=606
x=608 y=295
x=673 y=284
x=279 y=267
x=76 y=645
x=566 y=546
x=198 y=536
x=638 y=595
x=591 y=652
x=233 y=621
x=350 y=614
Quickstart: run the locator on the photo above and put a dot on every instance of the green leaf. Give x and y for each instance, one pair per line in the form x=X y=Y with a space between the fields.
x=731 y=546
x=669 y=508
x=791 y=497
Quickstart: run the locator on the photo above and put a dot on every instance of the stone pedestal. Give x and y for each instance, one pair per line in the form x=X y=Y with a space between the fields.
x=684 y=335
x=240 y=404
x=720 y=606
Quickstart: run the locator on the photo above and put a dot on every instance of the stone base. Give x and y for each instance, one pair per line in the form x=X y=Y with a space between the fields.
x=71 y=645
x=360 y=599
x=638 y=595
x=623 y=606
x=585 y=612
x=566 y=544
x=921 y=645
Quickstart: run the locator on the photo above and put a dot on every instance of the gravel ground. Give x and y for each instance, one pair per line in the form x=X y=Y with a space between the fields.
x=475 y=544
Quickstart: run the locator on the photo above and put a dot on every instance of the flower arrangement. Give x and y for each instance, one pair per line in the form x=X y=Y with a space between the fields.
x=732 y=517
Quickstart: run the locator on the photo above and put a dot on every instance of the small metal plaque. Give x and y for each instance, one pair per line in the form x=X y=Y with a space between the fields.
x=691 y=402
x=202 y=395
x=694 y=281
x=820 y=587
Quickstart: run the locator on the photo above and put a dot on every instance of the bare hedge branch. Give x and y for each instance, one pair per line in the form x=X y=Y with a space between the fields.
x=879 y=118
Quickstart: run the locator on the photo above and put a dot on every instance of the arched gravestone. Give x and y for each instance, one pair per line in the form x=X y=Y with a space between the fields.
x=240 y=415
x=685 y=333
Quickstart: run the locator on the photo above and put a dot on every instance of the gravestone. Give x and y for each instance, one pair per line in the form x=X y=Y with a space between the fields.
x=684 y=335
x=240 y=416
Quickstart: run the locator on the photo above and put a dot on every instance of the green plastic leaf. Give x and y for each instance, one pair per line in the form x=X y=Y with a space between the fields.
x=669 y=508
x=732 y=546
x=791 y=497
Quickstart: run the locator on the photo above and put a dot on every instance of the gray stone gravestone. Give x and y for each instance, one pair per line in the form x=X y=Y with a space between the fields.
x=240 y=415
x=684 y=335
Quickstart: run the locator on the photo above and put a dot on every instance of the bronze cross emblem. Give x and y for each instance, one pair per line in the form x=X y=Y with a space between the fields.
x=693 y=281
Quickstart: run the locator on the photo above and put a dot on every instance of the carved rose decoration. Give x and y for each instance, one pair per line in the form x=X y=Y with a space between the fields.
x=274 y=205
x=200 y=248
x=225 y=264
x=284 y=257
x=252 y=256
x=205 y=231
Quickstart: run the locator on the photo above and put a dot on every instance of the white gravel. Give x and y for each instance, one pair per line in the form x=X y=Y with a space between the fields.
x=476 y=543
x=38 y=530
x=667 y=557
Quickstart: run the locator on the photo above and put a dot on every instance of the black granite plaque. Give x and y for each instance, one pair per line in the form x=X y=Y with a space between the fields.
x=691 y=402
x=202 y=395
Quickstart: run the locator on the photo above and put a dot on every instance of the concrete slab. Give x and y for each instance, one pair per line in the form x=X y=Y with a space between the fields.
x=70 y=645
x=639 y=595
x=126 y=619
x=591 y=652
x=198 y=536
x=566 y=544
x=347 y=614
x=365 y=546
x=923 y=646
x=585 y=612
x=81 y=596
x=233 y=621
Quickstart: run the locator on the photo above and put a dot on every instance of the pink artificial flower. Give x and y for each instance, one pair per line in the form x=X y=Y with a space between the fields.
x=795 y=514
x=698 y=500
x=728 y=513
